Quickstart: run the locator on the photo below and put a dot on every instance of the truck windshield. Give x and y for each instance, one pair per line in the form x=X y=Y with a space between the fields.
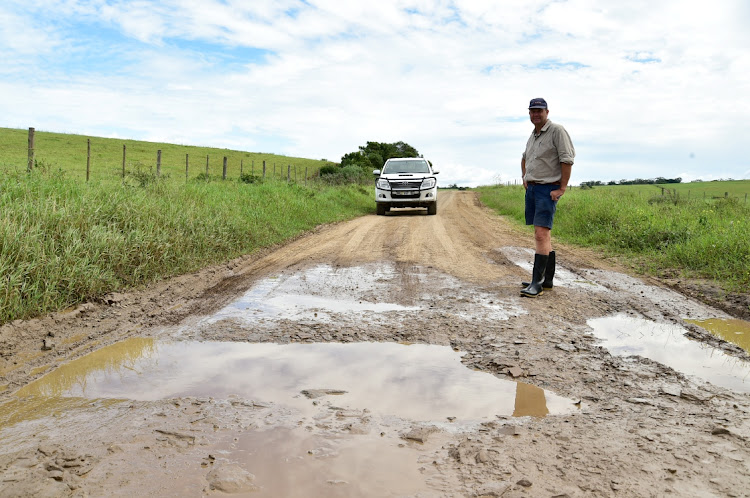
x=419 y=166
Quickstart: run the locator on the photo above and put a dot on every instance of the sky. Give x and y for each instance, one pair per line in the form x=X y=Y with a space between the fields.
x=646 y=89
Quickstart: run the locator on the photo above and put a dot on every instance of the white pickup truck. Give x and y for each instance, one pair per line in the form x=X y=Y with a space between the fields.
x=406 y=182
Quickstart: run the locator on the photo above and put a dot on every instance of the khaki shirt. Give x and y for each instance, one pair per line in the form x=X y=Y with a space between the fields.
x=545 y=152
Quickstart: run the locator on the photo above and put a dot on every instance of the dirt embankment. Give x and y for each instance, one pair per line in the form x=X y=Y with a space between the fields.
x=635 y=428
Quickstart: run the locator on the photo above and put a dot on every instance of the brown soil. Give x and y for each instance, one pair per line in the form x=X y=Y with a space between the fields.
x=640 y=429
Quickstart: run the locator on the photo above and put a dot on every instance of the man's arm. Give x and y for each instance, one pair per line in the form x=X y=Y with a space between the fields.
x=523 y=171
x=565 y=169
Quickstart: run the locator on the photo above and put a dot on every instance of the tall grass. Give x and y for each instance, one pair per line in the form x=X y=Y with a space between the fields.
x=63 y=241
x=662 y=234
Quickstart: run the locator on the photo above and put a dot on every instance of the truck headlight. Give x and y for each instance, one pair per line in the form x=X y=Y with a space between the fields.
x=383 y=184
x=428 y=183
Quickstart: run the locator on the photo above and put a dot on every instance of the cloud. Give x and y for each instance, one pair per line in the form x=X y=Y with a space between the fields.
x=639 y=85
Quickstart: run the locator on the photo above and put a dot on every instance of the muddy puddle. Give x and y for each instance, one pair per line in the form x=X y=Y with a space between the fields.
x=730 y=329
x=364 y=293
x=626 y=335
x=295 y=463
x=417 y=382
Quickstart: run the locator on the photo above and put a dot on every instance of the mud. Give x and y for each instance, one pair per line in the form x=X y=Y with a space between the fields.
x=385 y=356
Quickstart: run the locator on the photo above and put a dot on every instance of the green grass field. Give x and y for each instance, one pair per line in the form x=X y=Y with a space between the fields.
x=694 y=190
x=69 y=153
x=664 y=235
x=64 y=240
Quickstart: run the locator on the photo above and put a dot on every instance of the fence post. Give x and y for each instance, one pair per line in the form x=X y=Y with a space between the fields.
x=252 y=171
x=30 y=164
x=305 y=176
x=88 y=158
x=241 y=161
x=274 y=170
x=206 y=166
x=187 y=165
x=264 y=168
x=224 y=170
x=158 y=163
x=288 y=172
x=124 y=149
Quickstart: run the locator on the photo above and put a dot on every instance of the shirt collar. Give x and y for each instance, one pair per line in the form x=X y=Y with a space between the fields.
x=544 y=128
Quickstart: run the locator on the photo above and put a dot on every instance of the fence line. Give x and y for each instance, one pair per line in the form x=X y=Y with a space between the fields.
x=31 y=163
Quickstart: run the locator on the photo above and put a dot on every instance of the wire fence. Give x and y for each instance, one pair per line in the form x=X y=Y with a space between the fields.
x=244 y=170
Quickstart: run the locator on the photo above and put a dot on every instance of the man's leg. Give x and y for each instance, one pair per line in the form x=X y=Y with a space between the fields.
x=543 y=240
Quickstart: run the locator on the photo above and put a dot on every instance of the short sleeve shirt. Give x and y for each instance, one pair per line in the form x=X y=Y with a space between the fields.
x=545 y=151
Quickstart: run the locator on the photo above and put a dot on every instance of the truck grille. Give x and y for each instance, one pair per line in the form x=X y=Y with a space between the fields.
x=403 y=189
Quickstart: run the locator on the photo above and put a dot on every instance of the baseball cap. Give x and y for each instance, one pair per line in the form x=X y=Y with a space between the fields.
x=538 y=103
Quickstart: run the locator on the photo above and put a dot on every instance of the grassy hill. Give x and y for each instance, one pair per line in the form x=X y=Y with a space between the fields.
x=68 y=153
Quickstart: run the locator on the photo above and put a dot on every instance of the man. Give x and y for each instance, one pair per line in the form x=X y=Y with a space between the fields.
x=545 y=167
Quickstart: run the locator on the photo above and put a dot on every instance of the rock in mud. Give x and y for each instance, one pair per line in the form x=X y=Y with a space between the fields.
x=419 y=434
x=317 y=393
x=231 y=479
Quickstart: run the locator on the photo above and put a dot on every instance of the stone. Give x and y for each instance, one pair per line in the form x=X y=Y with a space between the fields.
x=419 y=434
x=317 y=393
x=515 y=372
x=525 y=483
x=671 y=390
x=567 y=347
x=231 y=479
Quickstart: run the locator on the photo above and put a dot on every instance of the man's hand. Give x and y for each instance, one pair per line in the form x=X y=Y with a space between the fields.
x=556 y=194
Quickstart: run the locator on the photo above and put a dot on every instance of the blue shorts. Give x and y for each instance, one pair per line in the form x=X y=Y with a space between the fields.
x=540 y=208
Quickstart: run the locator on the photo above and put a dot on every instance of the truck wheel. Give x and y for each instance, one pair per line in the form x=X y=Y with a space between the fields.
x=381 y=208
x=432 y=208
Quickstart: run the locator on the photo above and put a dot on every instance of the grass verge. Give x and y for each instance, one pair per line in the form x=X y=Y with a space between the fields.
x=63 y=241
x=662 y=235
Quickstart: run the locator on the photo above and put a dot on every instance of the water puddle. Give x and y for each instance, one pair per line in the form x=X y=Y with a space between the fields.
x=416 y=382
x=316 y=295
x=290 y=462
x=625 y=335
x=730 y=329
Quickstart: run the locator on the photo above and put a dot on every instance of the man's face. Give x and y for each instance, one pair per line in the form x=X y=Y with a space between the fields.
x=538 y=116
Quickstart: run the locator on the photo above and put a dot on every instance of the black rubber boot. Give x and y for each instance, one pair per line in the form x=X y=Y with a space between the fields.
x=535 y=287
x=549 y=273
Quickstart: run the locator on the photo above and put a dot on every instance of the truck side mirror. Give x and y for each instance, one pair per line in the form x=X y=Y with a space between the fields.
x=376 y=172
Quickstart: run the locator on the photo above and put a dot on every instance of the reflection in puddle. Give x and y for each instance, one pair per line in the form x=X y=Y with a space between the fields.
x=419 y=382
x=625 y=335
x=730 y=329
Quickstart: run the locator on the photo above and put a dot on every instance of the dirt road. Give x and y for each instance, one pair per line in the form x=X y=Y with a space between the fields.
x=385 y=356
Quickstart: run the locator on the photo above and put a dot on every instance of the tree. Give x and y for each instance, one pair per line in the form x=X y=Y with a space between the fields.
x=375 y=154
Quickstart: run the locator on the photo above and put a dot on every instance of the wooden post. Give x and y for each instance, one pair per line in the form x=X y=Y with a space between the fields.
x=288 y=172
x=158 y=163
x=305 y=176
x=252 y=171
x=241 y=161
x=187 y=165
x=206 y=166
x=30 y=164
x=274 y=170
x=264 y=168
x=124 y=153
x=88 y=158
x=224 y=170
